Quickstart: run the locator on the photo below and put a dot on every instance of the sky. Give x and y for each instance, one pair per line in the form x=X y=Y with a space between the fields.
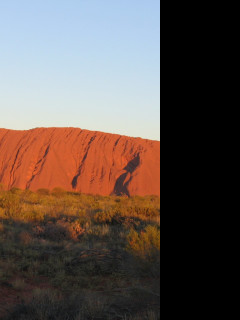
x=92 y=64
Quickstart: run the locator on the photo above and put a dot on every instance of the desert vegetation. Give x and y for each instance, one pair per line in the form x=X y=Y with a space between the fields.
x=71 y=256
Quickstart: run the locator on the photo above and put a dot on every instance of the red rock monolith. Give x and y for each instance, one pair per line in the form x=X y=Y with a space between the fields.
x=80 y=160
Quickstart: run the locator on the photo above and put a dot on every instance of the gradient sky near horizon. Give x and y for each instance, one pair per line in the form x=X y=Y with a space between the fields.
x=93 y=64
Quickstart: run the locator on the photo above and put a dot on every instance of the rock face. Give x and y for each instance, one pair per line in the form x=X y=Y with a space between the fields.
x=85 y=161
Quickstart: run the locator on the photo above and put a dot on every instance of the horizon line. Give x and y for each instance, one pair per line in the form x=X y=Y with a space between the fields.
x=60 y=127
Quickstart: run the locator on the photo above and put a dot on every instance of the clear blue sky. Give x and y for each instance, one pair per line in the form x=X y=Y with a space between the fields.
x=92 y=64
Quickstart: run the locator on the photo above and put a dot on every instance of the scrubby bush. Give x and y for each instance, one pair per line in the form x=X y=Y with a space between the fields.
x=76 y=244
x=145 y=244
x=25 y=237
x=76 y=230
x=19 y=284
x=1 y=227
x=15 y=190
x=58 y=192
x=43 y=192
x=12 y=205
x=55 y=232
x=104 y=217
x=46 y=305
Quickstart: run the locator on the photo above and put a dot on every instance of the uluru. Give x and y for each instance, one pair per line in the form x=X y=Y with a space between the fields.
x=79 y=160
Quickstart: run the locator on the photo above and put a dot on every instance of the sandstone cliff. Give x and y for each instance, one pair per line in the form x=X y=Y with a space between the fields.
x=84 y=161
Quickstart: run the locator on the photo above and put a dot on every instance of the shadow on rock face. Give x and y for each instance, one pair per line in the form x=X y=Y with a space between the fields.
x=121 y=186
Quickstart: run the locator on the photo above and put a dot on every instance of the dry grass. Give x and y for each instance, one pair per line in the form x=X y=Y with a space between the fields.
x=90 y=251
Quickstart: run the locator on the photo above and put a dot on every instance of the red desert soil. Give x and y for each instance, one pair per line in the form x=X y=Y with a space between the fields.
x=85 y=161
